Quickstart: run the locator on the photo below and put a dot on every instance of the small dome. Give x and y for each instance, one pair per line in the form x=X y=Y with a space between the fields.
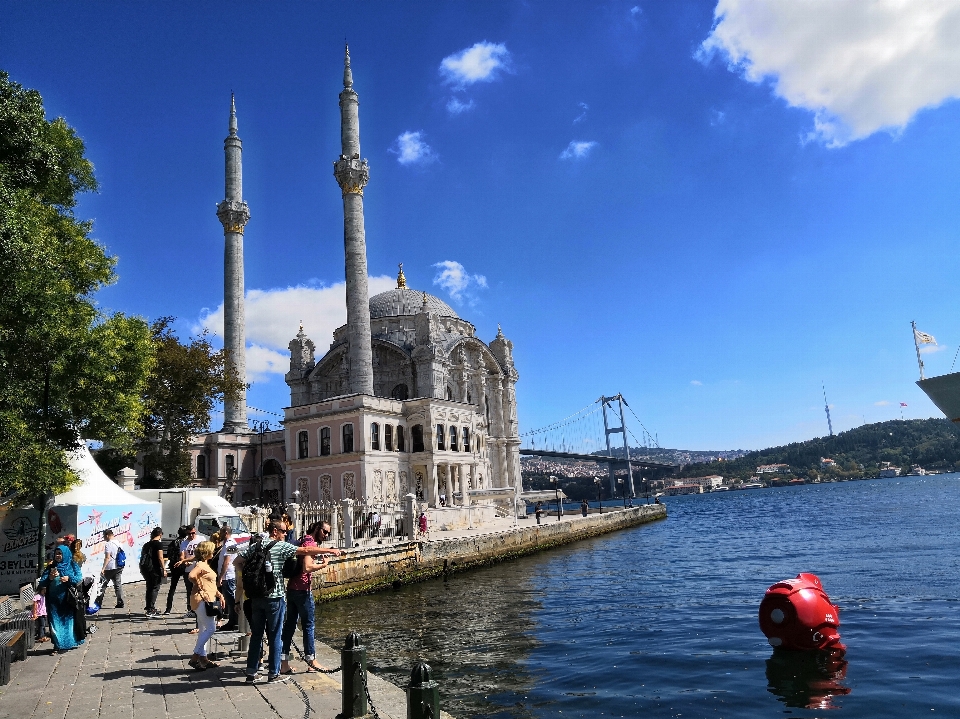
x=404 y=301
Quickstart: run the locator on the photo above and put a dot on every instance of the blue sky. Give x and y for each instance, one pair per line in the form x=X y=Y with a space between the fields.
x=709 y=209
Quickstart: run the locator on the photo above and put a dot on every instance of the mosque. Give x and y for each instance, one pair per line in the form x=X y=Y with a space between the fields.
x=406 y=399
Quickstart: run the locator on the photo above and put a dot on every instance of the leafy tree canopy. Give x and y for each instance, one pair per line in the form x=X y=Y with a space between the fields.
x=67 y=370
x=189 y=378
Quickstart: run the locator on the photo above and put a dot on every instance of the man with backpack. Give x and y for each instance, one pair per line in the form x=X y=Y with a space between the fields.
x=114 y=559
x=260 y=576
x=152 y=569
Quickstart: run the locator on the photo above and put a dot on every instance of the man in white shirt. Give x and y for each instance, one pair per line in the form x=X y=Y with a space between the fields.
x=111 y=572
x=227 y=576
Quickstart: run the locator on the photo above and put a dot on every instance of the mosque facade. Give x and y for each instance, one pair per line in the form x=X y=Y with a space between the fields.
x=406 y=399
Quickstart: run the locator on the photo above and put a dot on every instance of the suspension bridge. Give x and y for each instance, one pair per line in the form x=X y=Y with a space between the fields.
x=585 y=435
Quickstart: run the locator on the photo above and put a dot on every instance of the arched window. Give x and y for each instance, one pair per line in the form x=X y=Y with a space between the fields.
x=201 y=466
x=449 y=394
x=416 y=436
x=388 y=437
x=231 y=466
x=324 y=441
x=400 y=392
x=400 y=438
x=303 y=445
x=440 y=442
x=486 y=407
x=453 y=438
x=469 y=397
x=374 y=436
x=347 y=438
x=466 y=439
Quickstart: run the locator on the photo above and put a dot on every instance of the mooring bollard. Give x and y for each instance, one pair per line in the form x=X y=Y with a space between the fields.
x=353 y=659
x=423 y=697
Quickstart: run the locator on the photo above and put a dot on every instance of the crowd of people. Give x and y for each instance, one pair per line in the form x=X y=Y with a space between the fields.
x=268 y=580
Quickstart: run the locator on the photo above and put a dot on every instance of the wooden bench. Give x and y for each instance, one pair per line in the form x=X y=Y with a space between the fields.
x=13 y=647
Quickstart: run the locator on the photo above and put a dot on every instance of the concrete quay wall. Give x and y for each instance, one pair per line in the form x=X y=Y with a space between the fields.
x=371 y=569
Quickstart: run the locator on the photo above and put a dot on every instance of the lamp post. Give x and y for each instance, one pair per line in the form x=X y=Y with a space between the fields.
x=261 y=427
x=623 y=492
x=596 y=481
x=556 y=489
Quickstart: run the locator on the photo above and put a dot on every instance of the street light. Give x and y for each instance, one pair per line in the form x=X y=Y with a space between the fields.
x=596 y=481
x=556 y=489
x=261 y=427
x=623 y=493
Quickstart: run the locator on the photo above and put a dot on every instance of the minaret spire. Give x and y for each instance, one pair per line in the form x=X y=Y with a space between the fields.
x=352 y=174
x=234 y=214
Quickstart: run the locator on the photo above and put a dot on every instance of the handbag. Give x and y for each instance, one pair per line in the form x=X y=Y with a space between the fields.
x=213 y=609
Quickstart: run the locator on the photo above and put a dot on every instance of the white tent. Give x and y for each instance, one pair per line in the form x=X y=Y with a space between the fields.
x=95 y=487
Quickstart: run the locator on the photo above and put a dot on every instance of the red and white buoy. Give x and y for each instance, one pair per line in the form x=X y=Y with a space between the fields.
x=798 y=614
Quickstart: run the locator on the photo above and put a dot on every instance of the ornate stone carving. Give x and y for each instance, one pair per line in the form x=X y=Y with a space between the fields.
x=303 y=486
x=404 y=487
x=349 y=485
x=377 y=485
x=352 y=174
x=391 y=487
x=326 y=485
x=234 y=215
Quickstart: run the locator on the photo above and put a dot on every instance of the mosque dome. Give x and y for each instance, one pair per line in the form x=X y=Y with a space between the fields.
x=404 y=301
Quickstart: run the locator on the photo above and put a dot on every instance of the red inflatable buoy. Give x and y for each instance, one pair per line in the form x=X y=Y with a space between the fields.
x=798 y=614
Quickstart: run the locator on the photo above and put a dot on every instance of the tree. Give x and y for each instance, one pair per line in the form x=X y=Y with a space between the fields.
x=186 y=382
x=67 y=370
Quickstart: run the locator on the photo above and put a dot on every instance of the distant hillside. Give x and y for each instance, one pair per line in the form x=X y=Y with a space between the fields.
x=930 y=443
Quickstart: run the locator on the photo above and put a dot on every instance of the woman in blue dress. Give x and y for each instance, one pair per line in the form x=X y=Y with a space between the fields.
x=56 y=582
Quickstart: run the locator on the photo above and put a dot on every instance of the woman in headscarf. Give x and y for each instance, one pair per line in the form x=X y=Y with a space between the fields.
x=56 y=582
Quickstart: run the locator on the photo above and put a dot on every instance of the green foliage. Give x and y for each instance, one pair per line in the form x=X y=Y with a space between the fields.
x=931 y=443
x=66 y=369
x=185 y=385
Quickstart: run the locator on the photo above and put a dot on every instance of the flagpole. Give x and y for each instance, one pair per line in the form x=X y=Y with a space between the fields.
x=916 y=344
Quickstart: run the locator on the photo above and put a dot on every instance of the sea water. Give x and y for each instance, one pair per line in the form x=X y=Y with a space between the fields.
x=661 y=620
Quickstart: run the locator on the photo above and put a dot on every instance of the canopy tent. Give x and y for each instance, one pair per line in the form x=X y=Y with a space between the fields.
x=95 y=487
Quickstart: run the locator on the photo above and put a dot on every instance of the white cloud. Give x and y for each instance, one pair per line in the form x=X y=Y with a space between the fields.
x=273 y=318
x=577 y=149
x=859 y=66
x=480 y=63
x=455 y=107
x=454 y=278
x=881 y=403
x=410 y=149
x=696 y=383
x=635 y=10
x=583 y=112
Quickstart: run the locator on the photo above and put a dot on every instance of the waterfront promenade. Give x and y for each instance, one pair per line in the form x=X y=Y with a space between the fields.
x=136 y=668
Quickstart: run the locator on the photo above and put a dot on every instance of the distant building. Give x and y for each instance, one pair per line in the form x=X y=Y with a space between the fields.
x=683 y=489
x=889 y=471
x=714 y=480
x=827 y=463
x=773 y=468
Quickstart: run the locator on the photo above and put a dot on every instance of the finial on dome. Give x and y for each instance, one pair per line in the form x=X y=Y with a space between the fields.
x=347 y=72
x=233 y=115
x=401 y=280
x=424 y=307
x=499 y=331
x=300 y=333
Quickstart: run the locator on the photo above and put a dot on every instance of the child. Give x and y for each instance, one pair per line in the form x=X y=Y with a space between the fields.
x=40 y=616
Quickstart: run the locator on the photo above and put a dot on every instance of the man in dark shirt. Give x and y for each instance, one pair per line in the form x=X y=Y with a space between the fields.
x=155 y=570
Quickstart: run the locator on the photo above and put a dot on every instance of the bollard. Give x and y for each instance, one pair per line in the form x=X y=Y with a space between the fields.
x=423 y=697
x=353 y=659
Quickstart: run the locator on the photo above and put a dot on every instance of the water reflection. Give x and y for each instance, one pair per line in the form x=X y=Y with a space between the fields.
x=808 y=680
x=474 y=631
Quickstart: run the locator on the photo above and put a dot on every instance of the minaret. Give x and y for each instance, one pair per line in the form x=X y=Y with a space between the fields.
x=234 y=213
x=352 y=174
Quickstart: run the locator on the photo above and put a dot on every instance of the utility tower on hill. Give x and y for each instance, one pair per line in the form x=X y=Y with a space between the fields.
x=826 y=408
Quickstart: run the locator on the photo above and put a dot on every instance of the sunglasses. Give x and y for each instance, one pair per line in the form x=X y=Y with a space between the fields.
x=325 y=531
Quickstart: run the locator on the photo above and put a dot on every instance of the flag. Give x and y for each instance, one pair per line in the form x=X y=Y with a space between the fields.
x=903 y=404
x=923 y=338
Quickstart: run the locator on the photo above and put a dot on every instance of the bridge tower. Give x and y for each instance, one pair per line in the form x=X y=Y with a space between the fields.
x=622 y=429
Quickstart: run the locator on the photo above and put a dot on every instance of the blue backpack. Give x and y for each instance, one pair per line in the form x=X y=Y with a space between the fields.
x=121 y=558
